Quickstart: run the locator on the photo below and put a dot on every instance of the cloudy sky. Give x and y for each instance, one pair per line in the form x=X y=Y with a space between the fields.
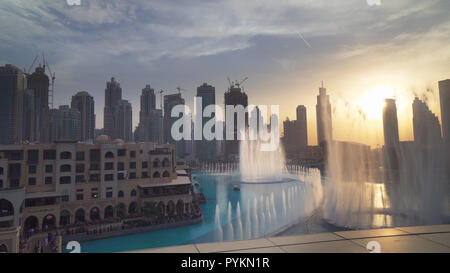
x=362 y=52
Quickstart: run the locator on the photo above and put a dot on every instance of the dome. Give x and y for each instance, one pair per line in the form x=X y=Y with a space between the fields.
x=102 y=139
x=118 y=141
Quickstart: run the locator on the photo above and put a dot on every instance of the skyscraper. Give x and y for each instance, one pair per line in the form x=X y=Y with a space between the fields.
x=123 y=118
x=113 y=94
x=427 y=130
x=323 y=117
x=29 y=125
x=234 y=96
x=444 y=97
x=390 y=124
x=84 y=103
x=302 y=126
x=150 y=126
x=12 y=84
x=206 y=149
x=64 y=124
x=171 y=101
x=39 y=82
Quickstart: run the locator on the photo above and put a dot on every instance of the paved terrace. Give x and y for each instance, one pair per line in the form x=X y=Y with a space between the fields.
x=415 y=239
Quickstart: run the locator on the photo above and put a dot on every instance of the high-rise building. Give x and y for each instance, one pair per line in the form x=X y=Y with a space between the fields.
x=206 y=149
x=39 y=82
x=113 y=94
x=64 y=124
x=390 y=124
x=148 y=101
x=123 y=118
x=444 y=97
x=29 y=125
x=295 y=134
x=323 y=117
x=235 y=96
x=84 y=103
x=150 y=126
x=171 y=101
x=12 y=85
x=427 y=130
x=302 y=126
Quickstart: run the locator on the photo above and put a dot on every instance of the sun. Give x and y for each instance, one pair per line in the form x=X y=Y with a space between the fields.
x=372 y=101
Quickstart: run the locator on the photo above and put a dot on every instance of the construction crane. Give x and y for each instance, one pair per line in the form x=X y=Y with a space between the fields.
x=180 y=89
x=241 y=82
x=230 y=82
x=52 y=85
x=27 y=72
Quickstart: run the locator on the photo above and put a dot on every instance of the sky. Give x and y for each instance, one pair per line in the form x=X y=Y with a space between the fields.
x=362 y=53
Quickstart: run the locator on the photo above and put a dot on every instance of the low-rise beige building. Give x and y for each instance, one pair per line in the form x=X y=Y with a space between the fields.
x=49 y=186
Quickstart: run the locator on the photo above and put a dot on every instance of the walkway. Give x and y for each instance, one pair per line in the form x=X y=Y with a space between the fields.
x=415 y=239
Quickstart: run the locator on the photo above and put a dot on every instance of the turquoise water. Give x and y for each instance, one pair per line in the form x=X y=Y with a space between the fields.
x=263 y=209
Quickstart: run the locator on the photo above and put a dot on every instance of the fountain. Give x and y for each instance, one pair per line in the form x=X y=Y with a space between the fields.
x=258 y=166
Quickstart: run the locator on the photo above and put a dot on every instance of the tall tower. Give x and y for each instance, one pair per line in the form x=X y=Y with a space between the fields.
x=12 y=84
x=427 y=130
x=390 y=124
x=150 y=126
x=444 y=97
x=302 y=126
x=113 y=94
x=323 y=117
x=84 y=103
x=123 y=118
x=39 y=82
x=171 y=101
x=206 y=149
x=234 y=96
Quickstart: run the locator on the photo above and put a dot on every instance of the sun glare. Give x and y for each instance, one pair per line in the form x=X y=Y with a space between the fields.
x=372 y=101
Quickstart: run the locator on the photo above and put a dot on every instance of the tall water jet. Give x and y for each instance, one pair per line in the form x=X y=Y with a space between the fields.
x=260 y=166
x=255 y=219
x=219 y=232
x=248 y=224
x=230 y=230
x=239 y=229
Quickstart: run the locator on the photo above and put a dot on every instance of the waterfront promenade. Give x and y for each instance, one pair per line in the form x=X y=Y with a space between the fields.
x=414 y=239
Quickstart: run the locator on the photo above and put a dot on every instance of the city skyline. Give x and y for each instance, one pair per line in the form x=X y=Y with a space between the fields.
x=267 y=47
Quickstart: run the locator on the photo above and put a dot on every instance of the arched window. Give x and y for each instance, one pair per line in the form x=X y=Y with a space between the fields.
x=31 y=223
x=121 y=210
x=64 y=218
x=166 y=174
x=170 y=207
x=49 y=222
x=3 y=248
x=109 y=212
x=6 y=208
x=180 y=207
x=133 y=193
x=1 y=171
x=120 y=194
x=132 y=208
x=65 y=155
x=79 y=215
x=109 y=155
x=156 y=175
x=94 y=214
x=156 y=163
x=166 y=162
x=65 y=168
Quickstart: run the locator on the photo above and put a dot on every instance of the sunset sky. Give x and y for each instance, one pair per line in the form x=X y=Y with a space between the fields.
x=286 y=48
